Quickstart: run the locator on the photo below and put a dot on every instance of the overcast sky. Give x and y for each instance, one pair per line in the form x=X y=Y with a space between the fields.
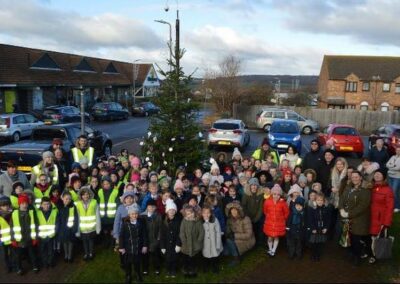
x=269 y=36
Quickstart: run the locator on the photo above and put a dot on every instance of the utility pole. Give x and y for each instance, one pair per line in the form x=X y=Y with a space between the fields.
x=82 y=113
x=177 y=50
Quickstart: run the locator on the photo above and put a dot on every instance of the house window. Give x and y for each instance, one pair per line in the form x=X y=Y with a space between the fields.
x=397 y=89
x=364 y=106
x=386 y=87
x=350 y=107
x=351 y=86
x=396 y=108
x=385 y=106
x=365 y=86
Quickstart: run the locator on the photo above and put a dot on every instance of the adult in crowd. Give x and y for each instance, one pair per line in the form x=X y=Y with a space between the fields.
x=63 y=165
x=355 y=206
x=292 y=156
x=47 y=167
x=324 y=171
x=379 y=154
x=83 y=149
x=11 y=176
x=393 y=166
x=367 y=169
x=313 y=158
x=264 y=151
x=382 y=204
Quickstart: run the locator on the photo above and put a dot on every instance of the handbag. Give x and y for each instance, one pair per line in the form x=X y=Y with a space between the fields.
x=383 y=245
x=344 y=240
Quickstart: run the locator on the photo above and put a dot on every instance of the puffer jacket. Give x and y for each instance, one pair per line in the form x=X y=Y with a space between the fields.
x=382 y=204
x=252 y=203
x=153 y=228
x=276 y=214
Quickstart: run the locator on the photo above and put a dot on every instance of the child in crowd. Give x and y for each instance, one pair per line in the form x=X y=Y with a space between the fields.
x=179 y=195
x=212 y=246
x=212 y=202
x=18 y=188
x=67 y=225
x=295 y=227
x=75 y=185
x=294 y=192
x=151 y=195
x=5 y=232
x=41 y=188
x=230 y=196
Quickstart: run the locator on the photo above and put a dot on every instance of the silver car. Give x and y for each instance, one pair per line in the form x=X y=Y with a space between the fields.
x=265 y=118
x=228 y=132
x=13 y=126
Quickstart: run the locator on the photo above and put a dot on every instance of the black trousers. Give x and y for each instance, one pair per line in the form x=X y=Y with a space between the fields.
x=129 y=261
x=316 y=249
x=7 y=256
x=294 y=245
x=46 y=247
x=190 y=263
x=359 y=245
x=153 y=258
x=211 y=263
x=88 y=243
x=171 y=261
x=31 y=253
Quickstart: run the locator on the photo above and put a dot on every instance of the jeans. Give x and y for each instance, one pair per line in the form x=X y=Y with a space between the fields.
x=230 y=248
x=394 y=184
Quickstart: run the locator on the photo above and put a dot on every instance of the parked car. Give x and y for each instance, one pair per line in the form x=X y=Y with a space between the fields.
x=390 y=133
x=63 y=114
x=145 y=109
x=266 y=116
x=14 y=126
x=285 y=133
x=345 y=138
x=29 y=152
x=228 y=132
x=109 y=111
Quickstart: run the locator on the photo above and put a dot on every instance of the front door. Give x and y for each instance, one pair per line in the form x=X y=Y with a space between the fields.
x=10 y=101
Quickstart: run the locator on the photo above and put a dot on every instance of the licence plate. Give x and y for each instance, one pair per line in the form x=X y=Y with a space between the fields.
x=24 y=168
x=346 y=148
x=224 y=143
x=282 y=146
x=47 y=122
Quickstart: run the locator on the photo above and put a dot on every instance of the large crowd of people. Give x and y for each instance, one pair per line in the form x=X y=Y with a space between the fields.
x=157 y=220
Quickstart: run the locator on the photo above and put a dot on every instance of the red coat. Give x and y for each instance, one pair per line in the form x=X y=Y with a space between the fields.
x=160 y=206
x=382 y=204
x=275 y=217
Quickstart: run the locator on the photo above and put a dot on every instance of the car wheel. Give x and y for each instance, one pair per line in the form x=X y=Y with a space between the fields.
x=267 y=127
x=16 y=137
x=126 y=116
x=307 y=130
x=107 y=150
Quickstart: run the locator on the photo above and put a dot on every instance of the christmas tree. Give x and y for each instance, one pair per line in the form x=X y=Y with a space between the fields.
x=174 y=138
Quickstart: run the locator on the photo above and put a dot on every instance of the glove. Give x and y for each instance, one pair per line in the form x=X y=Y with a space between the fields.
x=122 y=251
x=14 y=244
x=163 y=251
x=35 y=242
x=77 y=234
x=144 y=250
x=287 y=229
x=177 y=249
x=344 y=214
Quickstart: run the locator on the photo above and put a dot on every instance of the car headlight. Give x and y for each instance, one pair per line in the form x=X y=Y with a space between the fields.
x=271 y=137
x=297 y=138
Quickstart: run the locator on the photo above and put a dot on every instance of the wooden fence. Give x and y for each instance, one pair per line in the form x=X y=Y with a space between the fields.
x=364 y=121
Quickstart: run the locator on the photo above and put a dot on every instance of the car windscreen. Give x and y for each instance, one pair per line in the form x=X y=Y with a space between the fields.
x=226 y=126
x=47 y=134
x=2 y=120
x=284 y=128
x=344 y=131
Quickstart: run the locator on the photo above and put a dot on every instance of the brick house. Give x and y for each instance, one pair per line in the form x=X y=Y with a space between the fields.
x=34 y=79
x=359 y=82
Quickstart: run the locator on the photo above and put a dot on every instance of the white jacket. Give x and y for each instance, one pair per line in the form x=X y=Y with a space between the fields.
x=393 y=166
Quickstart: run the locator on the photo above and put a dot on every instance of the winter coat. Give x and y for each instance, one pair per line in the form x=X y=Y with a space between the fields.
x=382 y=205
x=294 y=160
x=393 y=166
x=192 y=236
x=153 y=227
x=169 y=235
x=319 y=218
x=133 y=237
x=146 y=199
x=228 y=199
x=368 y=173
x=357 y=203
x=324 y=176
x=252 y=203
x=65 y=233
x=311 y=160
x=6 y=182
x=381 y=157
x=276 y=215
x=212 y=246
x=220 y=217
x=160 y=207
x=122 y=212
x=240 y=229
x=296 y=229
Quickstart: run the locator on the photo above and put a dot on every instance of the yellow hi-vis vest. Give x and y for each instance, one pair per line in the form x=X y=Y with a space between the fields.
x=37 y=171
x=47 y=228
x=5 y=231
x=77 y=155
x=87 y=217
x=71 y=217
x=14 y=202
x=39 y=195
x=74 y=195
x=16 y=227
x=108 y=208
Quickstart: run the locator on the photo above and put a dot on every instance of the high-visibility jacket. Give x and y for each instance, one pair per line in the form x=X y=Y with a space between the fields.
x=37 y=171
x=257 y=155
x=108 y=208
x=14 y=202
x=77 y=155
x=87 y=217
x=47 y=228
x=74 y=195
x=71 y=217
x=39 y=195
x=16 y=226
x=5 y=231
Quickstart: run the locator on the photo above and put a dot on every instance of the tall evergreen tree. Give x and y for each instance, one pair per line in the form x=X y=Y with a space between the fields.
x=174 y=138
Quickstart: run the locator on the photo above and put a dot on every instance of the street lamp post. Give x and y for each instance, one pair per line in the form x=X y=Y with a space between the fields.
x=134 y=75
x=170 y=39
x=82 y=113
x=376 y=79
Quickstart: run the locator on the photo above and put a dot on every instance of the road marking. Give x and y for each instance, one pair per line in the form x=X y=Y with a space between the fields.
x=125 y=141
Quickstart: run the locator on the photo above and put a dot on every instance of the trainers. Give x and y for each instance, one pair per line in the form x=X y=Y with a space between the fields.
x=364 y=256
x=145 y=273
x=35 y=269
x=91 y=256
x=173 y=275
x=85 y=257
x=19 y=272
x=372 y=260
x=157 y=272
x=396 y=210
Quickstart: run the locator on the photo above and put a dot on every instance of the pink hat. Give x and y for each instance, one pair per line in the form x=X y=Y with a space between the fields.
x=178 y=184
x=135 y=161
x=276 y=189
x=135 y=177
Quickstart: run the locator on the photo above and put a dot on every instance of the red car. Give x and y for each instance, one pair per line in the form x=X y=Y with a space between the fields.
x=345 y=138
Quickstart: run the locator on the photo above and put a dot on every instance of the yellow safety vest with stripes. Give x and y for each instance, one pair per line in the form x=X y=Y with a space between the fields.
x=37 y=171
x=5 y=231
x=47 y=228
x=74 y=195
x=77 y=155
x=16 y=226
x=108 y=208
x=87 y=217
x=14 y=202
x=71 y=217
x=39 y=195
